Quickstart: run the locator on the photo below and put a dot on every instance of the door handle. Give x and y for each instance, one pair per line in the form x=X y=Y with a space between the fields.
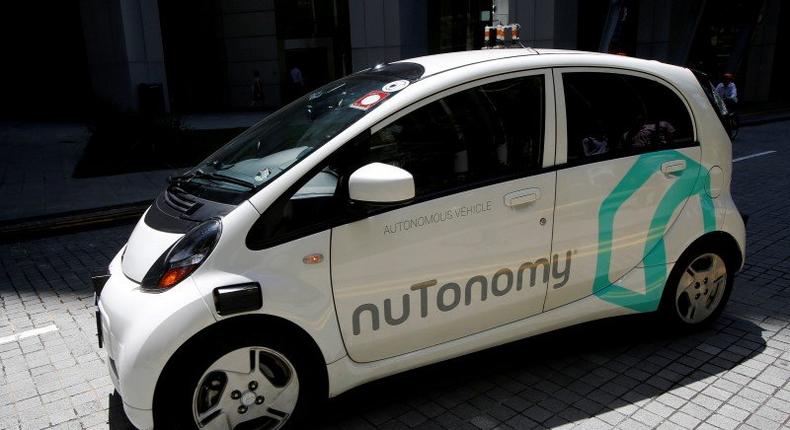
x=673 y=166
x=522 y=197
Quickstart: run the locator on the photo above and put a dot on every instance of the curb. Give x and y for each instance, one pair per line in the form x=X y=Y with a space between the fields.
x=750 y=120
x=66 y=222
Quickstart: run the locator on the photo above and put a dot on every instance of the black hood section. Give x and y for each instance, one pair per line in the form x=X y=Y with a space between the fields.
x=176 y=211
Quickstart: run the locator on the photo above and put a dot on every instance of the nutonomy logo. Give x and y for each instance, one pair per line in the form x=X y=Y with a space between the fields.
x=450 y=295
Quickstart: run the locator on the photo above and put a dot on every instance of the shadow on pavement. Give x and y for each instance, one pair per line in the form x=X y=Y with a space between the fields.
x=575 y=373
x=117 y=417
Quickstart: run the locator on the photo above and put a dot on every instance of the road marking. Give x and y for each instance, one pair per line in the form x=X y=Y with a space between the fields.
x=29 y=333
x=746 y=157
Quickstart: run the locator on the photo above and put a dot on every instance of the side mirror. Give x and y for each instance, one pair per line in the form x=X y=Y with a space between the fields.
x=380 y=183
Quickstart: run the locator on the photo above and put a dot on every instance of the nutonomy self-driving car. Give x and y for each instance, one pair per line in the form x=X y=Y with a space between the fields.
x=416 y=211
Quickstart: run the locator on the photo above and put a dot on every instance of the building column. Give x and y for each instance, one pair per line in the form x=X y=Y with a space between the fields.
x=249 y=35
x=761 y=52
x=545 y=24
x=123 y=42
x=386 y=30
x=667 y=29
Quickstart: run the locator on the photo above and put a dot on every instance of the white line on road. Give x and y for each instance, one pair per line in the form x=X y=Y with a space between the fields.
x=24 y=334
x=746 y=157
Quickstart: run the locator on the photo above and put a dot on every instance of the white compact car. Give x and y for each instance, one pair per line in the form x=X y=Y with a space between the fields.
x=417 y=211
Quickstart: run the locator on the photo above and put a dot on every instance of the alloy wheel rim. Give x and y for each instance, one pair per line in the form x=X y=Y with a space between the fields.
x=701 y=288
x=245 y=389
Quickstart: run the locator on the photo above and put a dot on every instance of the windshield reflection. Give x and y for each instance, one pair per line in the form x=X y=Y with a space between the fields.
x=270 y=147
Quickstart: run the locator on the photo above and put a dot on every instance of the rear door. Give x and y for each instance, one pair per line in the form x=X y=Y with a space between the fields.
x=627 y=161
x=472 y=251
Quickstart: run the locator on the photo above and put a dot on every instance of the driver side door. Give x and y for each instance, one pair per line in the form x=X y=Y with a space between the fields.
x=471 y=251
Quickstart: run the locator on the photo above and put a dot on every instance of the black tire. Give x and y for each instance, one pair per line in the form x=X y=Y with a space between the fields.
x=734 y=126
x=669 y=309
x=173 y=406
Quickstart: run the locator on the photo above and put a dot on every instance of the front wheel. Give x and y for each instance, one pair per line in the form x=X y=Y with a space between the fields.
x=241 y=385
x=697 y=289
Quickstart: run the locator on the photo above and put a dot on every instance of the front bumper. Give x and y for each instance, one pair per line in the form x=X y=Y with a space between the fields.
x=140 y=332
x=142 y=419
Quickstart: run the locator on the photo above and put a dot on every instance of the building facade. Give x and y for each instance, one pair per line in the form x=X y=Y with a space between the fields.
x=205 y=55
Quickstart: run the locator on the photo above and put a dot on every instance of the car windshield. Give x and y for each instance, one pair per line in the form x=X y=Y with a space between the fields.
x=282 y=139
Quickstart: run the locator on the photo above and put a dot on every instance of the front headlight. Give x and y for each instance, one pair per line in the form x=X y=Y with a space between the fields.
x=184 y=257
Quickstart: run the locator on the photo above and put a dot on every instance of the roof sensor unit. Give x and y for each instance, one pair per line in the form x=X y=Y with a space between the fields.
x=502 y=36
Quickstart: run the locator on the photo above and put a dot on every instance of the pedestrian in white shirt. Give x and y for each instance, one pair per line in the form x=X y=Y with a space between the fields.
x=728 y=91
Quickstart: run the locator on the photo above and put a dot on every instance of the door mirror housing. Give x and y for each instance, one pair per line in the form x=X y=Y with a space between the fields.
x=380 y=183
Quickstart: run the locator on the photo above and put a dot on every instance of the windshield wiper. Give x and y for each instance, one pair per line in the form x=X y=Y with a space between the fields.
x=177 y=179
x=219 y=177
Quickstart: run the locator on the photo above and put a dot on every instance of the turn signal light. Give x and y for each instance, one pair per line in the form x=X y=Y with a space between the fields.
x=174 y=276
x=313 y=259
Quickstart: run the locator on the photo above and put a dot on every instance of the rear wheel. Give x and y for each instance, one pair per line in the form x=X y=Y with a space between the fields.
x=243 y=385
x=697 y=289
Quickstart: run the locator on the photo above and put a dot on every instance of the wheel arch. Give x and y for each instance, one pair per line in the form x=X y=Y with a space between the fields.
x=240 y=324
x=720 y=241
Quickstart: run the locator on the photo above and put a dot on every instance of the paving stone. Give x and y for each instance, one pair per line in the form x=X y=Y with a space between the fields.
x=733 y=412
x=632 y=424
x=522 y=422
x=695 y=410
x=612 y=418
x=707 y=402
x=646 y=417
x=685 y=420
x=723 y=422
x=744 y=403
x=659 y=409
x=773 y=414
x=483 y=422
x=762 y=423
x=536 y=413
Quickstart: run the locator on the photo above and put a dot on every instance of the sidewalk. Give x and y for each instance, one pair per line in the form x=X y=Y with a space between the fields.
x=36 y=173
x=38 y=162
x=749 y=119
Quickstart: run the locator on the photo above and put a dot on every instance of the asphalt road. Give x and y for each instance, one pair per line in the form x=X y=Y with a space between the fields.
x=617 y=373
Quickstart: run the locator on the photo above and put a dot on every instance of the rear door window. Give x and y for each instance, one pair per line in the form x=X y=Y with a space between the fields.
x=613 y=115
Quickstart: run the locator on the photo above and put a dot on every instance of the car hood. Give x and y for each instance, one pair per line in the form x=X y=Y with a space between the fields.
x=145 y=246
